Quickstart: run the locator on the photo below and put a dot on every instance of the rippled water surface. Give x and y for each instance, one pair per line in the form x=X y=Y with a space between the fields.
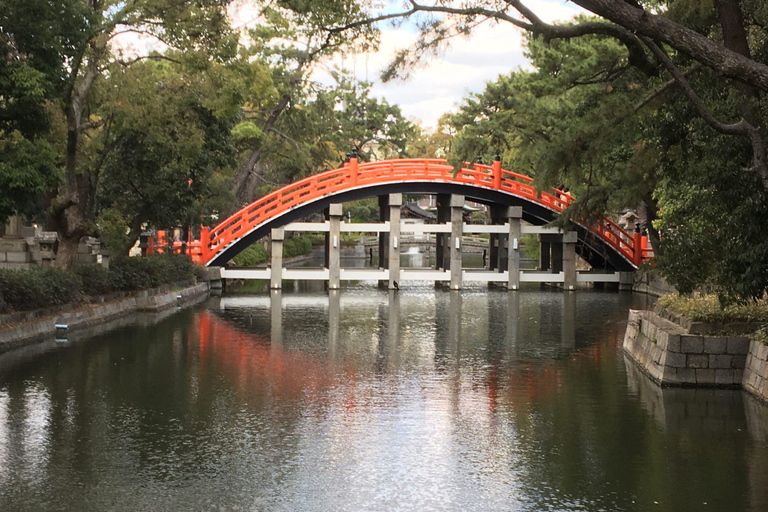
x=368 y=400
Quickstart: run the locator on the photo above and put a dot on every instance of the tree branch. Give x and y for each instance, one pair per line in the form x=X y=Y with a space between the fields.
x=665 y=86
x=742 y=128
x=726 y=62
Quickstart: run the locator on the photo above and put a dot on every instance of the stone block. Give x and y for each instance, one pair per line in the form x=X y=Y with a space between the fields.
x=691 y=344
x=3 y=257
x=739 y=362
x=715 y=345
x=705 y=376
x=686 y=375
x=697 y=361
x=738 y=375
x=723 y=376
x=673 y=342
x=764 y=368
x=738 y=345
x=675 y=360
x=13 y=245
x=18 y=257
x=762 y=350
x=720 y=361
x=698 y=327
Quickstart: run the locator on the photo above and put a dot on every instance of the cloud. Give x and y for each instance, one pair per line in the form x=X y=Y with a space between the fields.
x=466 y=66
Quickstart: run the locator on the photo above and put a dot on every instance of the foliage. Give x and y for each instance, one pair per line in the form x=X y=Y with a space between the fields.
x=363 y=210
x=616 y=136
x=95 y=279
x=297 y=246
x=38 y=287
x=150 y=271
x=708 y=308
x=252 y=256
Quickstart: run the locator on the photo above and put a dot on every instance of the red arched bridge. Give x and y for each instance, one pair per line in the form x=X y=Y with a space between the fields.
x=603 y=244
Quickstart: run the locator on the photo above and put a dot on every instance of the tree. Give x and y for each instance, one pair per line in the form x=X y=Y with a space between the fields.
x=71 y=46
x=645 y=28
x=169 y=145
x=292 y=40
x=35 y=38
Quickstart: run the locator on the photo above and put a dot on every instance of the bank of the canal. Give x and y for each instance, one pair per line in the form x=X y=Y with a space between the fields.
x=421 y=399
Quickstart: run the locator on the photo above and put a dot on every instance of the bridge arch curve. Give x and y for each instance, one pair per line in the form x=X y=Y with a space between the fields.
x=604 y=245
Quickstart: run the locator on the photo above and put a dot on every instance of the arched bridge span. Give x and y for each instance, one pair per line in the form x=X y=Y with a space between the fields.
x=603 y=244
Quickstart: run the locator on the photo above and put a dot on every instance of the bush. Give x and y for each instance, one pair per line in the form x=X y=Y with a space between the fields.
x=709 y=309
x=95 y=279
x=296 y=247
x=38 y=287
x=252 y=256
x=150 y=271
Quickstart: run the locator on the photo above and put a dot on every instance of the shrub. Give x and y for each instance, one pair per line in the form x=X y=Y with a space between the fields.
x=709 y=309
x=296 y=247
x=95 y=279
x=38 y=287
x=150 y=271
x=252 y=256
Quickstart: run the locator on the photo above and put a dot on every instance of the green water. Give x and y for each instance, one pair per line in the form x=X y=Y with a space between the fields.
x=368 y=400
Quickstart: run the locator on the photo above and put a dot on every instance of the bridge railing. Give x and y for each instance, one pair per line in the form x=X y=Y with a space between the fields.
x=355 y=174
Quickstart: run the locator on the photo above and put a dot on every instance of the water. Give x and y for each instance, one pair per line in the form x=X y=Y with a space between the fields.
x=368 y=400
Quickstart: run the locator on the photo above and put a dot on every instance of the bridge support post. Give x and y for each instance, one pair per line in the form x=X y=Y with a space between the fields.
x=569 y=260
x=383 y=237
x=333 y=246
x=497 y=243
x=545 y=248
x=557 y=254
x=457 y=230
x=393 y=253
x=276 y=264
x=514 y=217
x=442 y=240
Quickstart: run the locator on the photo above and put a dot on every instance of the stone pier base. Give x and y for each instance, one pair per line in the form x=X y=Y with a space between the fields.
x=673 y=356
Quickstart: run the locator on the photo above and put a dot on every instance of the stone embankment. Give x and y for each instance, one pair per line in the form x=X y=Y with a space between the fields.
x=674 y=351
x=20 y=328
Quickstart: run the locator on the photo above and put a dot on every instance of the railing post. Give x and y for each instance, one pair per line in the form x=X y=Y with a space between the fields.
x=205 y=242
x=497 y=172
x=353 y=171
x=637 y=246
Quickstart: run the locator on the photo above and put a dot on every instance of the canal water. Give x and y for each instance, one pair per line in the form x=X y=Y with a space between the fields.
x=369 y=400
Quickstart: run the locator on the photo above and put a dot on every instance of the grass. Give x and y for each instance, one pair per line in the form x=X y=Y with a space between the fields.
x=760 y=335
x=708 y=309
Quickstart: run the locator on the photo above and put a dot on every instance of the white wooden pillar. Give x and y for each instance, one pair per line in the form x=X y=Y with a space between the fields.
x=457 y=227
x=569 y=260
x=333 y=246
x=514 y=219
x=276 y=262
x=393 y=253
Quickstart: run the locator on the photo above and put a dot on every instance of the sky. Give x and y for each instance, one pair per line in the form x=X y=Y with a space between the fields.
x=464 y=67
x=435 y=88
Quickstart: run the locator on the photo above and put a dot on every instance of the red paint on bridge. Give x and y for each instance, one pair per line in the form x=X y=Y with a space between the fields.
x=357 y=175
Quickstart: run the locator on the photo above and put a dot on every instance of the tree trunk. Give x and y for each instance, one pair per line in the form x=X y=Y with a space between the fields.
x=67 y=253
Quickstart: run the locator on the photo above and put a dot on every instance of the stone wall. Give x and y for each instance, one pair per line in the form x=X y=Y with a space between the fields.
x=651 y=282
x=678 y=353
x=673 y=356
x=756 y=371
x=146 y=300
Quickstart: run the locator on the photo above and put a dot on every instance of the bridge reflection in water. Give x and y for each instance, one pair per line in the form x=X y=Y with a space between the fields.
x=368 y=400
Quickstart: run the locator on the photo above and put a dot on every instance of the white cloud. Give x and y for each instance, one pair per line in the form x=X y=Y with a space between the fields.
x=466 y=66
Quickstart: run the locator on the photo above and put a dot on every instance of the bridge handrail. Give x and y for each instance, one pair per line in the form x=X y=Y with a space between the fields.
x=354 y=174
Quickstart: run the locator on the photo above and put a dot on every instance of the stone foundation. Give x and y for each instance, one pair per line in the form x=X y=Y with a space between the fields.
x=673 y=356
x=756 y=371
x=153 y=300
